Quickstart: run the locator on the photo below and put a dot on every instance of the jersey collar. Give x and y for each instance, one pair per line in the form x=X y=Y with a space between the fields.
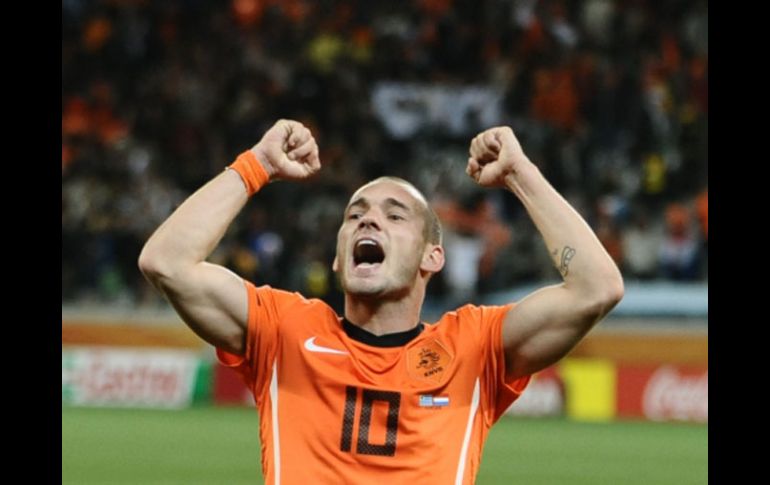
x=397 y=339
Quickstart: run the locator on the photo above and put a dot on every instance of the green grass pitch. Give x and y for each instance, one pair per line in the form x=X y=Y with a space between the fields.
x=209 y=445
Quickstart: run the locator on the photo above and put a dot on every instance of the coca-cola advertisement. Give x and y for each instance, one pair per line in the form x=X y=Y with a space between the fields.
x=663 y=393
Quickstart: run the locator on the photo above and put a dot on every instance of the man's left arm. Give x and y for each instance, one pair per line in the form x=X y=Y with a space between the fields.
x=543 y=327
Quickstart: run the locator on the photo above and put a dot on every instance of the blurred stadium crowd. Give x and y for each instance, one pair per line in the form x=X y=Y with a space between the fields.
x=609 y=98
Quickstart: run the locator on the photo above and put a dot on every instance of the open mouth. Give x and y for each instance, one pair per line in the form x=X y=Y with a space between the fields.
x=367 y=252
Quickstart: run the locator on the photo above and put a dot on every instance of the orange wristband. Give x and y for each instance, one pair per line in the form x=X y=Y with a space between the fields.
x=251 y=171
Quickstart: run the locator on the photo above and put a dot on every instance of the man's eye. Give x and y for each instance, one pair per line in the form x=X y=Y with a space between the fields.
x=395 y=217
x=354 y=216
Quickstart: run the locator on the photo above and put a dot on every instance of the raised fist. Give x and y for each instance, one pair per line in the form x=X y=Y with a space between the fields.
x=288 y=151
x=494 y=154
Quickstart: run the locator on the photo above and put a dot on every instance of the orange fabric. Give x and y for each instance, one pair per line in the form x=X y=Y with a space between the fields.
x=247 y=12
x=677 y=218
x=702 y=206
x=481 y=221
x=555 y=100
x=76 y=118
x=671 y=58
x=96 y=33
x=353 y=413
x=251 y=171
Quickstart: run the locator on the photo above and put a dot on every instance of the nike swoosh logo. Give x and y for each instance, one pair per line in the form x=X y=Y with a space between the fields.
x=311 y=346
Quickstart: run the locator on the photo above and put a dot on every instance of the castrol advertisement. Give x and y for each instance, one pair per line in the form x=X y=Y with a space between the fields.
x=104 y=376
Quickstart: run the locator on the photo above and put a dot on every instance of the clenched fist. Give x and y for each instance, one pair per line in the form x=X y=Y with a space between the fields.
x=494 y=154
x=288 y=151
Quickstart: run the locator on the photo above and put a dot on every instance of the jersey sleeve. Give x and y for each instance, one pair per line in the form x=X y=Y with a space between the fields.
x=266 y=307
x=501 y=392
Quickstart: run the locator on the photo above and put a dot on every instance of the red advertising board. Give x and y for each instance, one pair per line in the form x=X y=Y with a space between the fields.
x=229 y=387
x=663 y=393
x=544 y=396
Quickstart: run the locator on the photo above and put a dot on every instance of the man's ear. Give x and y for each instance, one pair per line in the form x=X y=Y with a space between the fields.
x=335 y=265
x=433 y=259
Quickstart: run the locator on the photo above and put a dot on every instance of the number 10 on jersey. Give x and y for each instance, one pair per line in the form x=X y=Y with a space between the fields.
x=368 y=398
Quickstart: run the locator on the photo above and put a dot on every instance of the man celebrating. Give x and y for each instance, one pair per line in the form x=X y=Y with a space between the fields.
x=377 y=395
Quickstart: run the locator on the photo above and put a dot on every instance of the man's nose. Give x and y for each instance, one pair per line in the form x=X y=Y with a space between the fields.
x=367 y=221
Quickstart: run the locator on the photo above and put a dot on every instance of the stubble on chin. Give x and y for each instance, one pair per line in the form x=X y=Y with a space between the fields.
x=362 y=289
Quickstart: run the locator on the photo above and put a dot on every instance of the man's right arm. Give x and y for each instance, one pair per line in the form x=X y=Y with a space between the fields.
x=211 y=299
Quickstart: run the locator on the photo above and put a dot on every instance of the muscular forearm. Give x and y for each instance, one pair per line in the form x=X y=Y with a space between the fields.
x=211 y=299
x=543 y=327
x=574 y=248
x=192 y=232
x=287 y=151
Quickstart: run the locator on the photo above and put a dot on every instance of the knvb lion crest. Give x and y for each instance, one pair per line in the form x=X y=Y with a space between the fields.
x=428 y=358
x=428 y=361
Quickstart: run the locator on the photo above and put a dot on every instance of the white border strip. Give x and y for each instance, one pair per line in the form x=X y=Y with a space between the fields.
x=468 y=432
x=274 y=412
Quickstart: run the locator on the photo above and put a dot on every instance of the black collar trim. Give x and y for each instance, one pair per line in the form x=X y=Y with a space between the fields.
x=396 y=339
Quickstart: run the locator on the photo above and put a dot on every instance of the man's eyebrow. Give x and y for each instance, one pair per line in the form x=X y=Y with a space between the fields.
x=390 y=201
x=359 y=202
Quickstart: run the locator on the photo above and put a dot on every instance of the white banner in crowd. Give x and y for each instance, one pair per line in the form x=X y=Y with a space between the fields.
x=407 y=108
x=104 y=376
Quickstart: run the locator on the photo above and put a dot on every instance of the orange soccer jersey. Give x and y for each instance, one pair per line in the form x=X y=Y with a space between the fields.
x=340 y=405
